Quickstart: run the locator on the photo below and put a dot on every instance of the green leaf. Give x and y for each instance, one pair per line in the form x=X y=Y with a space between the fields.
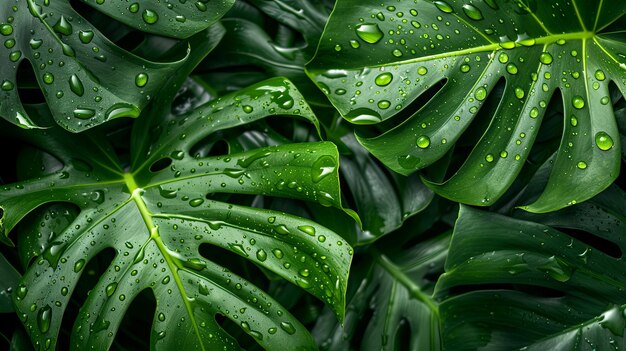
x=155 y=210
x=10 y=277
x=267 y=39
x=547 y=282
x=374 y=62
x=392 y=307
x=384 y=200
x=85 y=77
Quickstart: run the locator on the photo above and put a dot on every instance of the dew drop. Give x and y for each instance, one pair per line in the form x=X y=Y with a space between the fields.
x=150 y=16
x=578 y=102
x=76 y=85
x=44 y=318
x=369 y=32
x=383 y=79
x=141 y=80
x=472 y=12
x=443 y=6
x=545 y=58
x=423 y=142
x=604 y=141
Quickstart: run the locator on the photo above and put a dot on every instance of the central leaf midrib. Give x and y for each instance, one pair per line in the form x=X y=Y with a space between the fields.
x=547 y=40
x=153 y=229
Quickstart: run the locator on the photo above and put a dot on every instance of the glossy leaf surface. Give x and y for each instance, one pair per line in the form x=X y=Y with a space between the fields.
x=375 y=60
x=392 y=307
x=86 y=78
x=158 y=207
x=553 y=281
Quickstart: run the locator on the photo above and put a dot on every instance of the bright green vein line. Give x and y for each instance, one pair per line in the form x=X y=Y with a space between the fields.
x=547 y=40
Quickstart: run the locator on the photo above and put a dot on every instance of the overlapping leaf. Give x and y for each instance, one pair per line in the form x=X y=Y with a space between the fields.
x=375 y=60
x=156 y=209
x=85 y=78
x=392 y=308
x=549 y=282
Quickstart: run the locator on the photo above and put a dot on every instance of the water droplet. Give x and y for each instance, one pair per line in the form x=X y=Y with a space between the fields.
x=238 y=248
x=84 y=113
x=277 y=253
x=511 y=68
x=480 y=94
x=196 y=202
x=545 y=58
x=85 y=36
x=605 y=100
x=307 y=229
x=472 y=12
x=423 y=142
x=261 y=255
x=195 y=264
x=288 y=327
x=383 y=79
x=133 y=8
x=7 y=85
x=604 y=141
x=384 y=104
x=322 y=167
x=534 y=112
x=110 y=289
x=573 y=121
x=44 y=318
x=63 y=26
x=6 y=29
x=79 y=265
x=369 y=32
x=581 y=165
x=76 y=85
x=600 y=75
x=422 y=70
x=150 y=16
x=48 y=78
x=503 y=57
x=247 y=109
x=578 y=102
x=489 y=158
x=141 y=80
x=465 y=68
x=443 y=6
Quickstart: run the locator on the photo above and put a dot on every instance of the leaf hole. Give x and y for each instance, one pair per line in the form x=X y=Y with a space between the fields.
x=361 y=328
x=89 y=277
x=28 y=88
x=160 y=164
x=244 y=340
x=601 y=244
x=136 y=327
x=403 y=335
x=212 y=145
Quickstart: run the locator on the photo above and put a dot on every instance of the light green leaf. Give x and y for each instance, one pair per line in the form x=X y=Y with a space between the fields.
x=374 y=61
x=157 y=212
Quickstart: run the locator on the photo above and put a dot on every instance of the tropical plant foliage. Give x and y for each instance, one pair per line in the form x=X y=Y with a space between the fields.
x=312 y=174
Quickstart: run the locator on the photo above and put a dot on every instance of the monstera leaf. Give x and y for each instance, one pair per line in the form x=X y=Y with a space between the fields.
x=379 y=61
x=157 y=206
x=544 y=282
x=266 y=39
x=392 y=308
x=85 y=78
